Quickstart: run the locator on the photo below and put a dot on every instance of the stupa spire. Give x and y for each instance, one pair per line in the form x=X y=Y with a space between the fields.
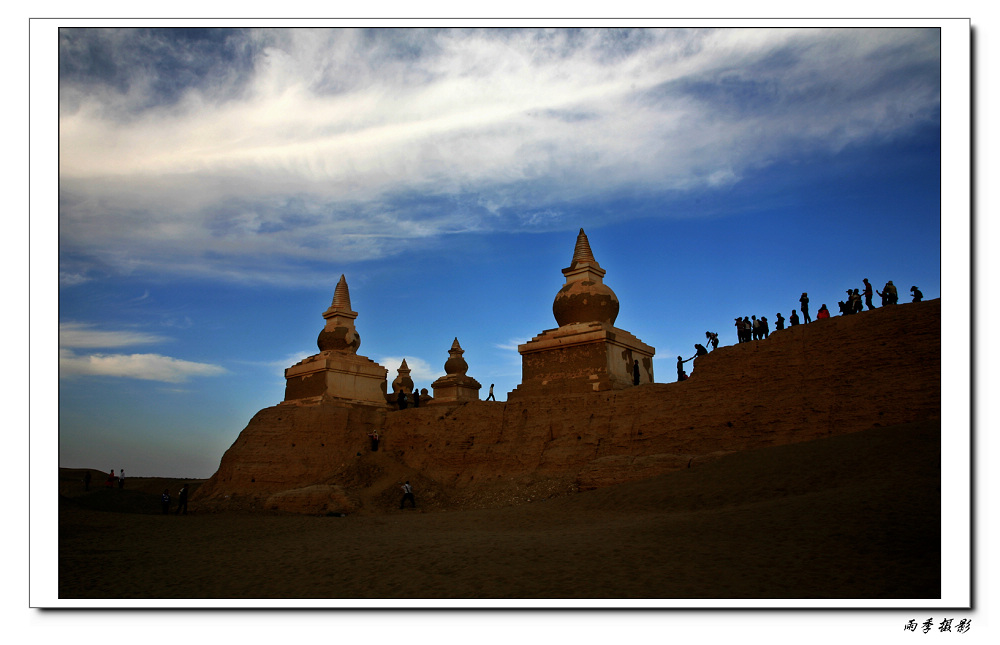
x=582 y=252
x=342 y=296
x=584 y=298
x=339 y=333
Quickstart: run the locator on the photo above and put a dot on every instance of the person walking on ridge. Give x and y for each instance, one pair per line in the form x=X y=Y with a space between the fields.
x=491 y=397
x=868 y=295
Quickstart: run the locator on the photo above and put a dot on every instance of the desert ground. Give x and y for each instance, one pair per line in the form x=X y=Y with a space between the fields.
x=851 y=516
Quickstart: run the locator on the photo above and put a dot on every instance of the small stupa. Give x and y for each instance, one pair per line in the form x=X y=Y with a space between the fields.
x=586 y=353
x=337 y=372
x=402 y=381
x=455 y=386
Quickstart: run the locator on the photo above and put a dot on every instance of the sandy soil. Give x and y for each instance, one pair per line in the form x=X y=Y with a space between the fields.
x=855 y=516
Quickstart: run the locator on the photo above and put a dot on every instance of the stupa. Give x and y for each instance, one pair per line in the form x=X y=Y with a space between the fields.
x=337 y=372
x=455 y=386
x=586 y=353
x=402 y=381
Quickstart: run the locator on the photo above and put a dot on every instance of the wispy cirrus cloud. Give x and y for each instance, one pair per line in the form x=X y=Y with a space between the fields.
x=512 y=344
x=264 y=151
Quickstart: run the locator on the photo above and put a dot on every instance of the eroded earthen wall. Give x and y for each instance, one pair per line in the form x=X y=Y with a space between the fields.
x=835 y=376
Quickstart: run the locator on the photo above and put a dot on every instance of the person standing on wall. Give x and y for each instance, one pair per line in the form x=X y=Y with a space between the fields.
x=804 y=301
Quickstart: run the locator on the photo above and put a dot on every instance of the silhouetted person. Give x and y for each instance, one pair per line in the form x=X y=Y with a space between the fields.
x=680 y=368
x=110 y=481
x=779 y=324
x=893 y=294
x=755 y=328
x=401 y=400
x=856 y=307
x=165 y=501
x=868 y=295
x=407 y=495
x=713 y=339
x=493 y=398
x=804 y=301
x=764 y=331
x=917 y=296
x=747 y=329
x=823 y=312
x=416 y=397
x=844 y=309
x=889 y=295
x=182 y=500
x=739 y=330
x=86 y=480
x=635 y=372
x=699 y=350
x=793 y=319
x=121 y=479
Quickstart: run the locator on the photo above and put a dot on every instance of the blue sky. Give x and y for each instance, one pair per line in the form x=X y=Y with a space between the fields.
x=215 y=184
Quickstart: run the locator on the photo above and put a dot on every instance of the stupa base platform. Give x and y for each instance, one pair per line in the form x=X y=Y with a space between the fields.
x=582 y=357
x=336 y=376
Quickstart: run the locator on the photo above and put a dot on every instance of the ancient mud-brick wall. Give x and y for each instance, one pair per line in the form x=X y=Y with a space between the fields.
x=835 y=376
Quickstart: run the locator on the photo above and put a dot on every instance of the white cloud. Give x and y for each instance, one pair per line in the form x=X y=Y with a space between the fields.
x=304 y=145
x=420 y=370
x=81 y=335
x=151 y=367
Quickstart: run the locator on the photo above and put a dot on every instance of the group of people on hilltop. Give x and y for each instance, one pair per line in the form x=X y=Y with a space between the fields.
x=852 y=305
x=750 y=328
x=753 y=328
x=888 y=294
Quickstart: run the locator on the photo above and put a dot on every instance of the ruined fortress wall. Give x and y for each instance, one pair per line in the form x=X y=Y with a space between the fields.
x=835 y=376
